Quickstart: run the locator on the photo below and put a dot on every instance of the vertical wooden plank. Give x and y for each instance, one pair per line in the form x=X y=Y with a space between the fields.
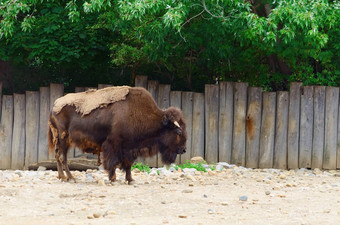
x=281 y=131
x=0 y=98
x=211 y=122
x=253 y=125
x=56 y=91
x=197 y=143
x=44 y=112
x=267 y=130
x=318 y=126
x=331 y=123
x=306 y=127
x=6 y=130
x=294 y=125
x=32 y=127
x=238 y=154
x=153 y=89
x=226 y=118
x=338 y=143
x=163 y=103
x=176 y=101
x=101 y=86
x=18 y=140
x=187 y=109
x=141 y=81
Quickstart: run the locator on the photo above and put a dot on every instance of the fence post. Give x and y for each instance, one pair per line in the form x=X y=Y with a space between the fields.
x=18 y=139
x=319 y=126
x=331 y=123
x=240 y=109
x=338 y=143
x=211 y=122
x=187 y=109
x=267 y=130
x=44 y=112
x=141 y=81
x=0 y=99
x=280 y=149
x=176 y=101
x=6 y=129
x=226 y=118
x=294 y=125
x=56 y=91
x=197 y=146
x=306 y=127
x=253 y=125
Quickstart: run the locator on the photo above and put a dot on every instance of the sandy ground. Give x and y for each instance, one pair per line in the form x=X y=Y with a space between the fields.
x=234 y=195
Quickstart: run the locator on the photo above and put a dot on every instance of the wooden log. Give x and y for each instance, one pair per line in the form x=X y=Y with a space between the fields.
x=331 y=123
x=197 y=144
x=18 y=140
x=267 y=130
x=176 y=101
x=0 y=98
x=6 y=130
x=318 y=126
x=187 y=109
x=56 y=91
x=238 y=154
x=211 y=122
x=80 y=164
x=306 y=127
x=44 y=112
x=32 y=127
x=101 y=86
x=163 y=103
x=141 y=81
x=294 y=125
x=226 y=118
x=153 y=89
x=253 y=126
x=281 y=131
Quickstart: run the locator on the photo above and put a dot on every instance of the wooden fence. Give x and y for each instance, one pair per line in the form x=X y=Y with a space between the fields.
x=229 y=122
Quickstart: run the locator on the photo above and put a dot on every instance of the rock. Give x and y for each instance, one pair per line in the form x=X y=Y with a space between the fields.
x=212 y=173
x=101 y=182
x=225 y=165
x=243 y=198
x=136 y=170
x=187 y=191
x=219 y=168
x=267 y=192
x=189 y=171
x=19 y=173
x=210 y=211
x=224 y=203
x=190 y=177
x=90 y=217
x=96 y=215
x=41 y=168
x=205 y=196
x=182 y=216
x=282 y=176
x=197 y=159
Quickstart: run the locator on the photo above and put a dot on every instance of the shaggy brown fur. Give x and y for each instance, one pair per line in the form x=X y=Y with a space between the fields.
x=87 y=101
x=123 y=131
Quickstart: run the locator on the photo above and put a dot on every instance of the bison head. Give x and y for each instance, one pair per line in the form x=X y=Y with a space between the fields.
x=174 y=136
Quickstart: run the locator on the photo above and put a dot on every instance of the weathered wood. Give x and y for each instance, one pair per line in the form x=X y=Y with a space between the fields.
x=211 y=122
x=187 y=109
x=239 y=133
x=253 y=126
x=163 y=103
x=331 y=123
x=294 y=125
x=153 y=89
x=56 y=91
x=267 y=130
x=101 y=86
x=80 y=164
x=79 y=89
x=176 y=101
x=6 y=130
x=141 y=81
x=0 y=99
x=226 y=118
x=197 y=143
x=306 y=127
x=318 y=126
x=281 y=131
x=32 y=127
x=338 y=143
x=44 y=113
x=18 y=140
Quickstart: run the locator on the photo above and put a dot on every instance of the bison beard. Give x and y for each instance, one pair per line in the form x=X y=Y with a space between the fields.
x=124 y=130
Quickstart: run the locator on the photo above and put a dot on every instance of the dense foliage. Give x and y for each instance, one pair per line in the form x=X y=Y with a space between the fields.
x=186 y=43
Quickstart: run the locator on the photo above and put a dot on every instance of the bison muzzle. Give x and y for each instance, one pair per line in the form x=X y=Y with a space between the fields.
x=122 y=130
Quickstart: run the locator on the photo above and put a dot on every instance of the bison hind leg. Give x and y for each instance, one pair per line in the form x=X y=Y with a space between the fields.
x=59 y=159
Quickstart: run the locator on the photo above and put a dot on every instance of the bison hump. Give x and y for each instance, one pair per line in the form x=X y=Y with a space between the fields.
x=85 y=102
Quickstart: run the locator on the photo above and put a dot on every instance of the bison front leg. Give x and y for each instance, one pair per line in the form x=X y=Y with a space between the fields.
x=127 y=167
x=110 y=158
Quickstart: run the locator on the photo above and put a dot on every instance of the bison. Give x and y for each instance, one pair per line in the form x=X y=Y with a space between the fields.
x=122 y=129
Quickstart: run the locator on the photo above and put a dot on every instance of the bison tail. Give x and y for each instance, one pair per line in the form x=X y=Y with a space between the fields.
x=52 y=135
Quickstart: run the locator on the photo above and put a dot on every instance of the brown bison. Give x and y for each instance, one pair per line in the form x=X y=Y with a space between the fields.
x=123 y=128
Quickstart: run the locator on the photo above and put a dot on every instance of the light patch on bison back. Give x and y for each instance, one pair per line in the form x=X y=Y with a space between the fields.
x=85 y=102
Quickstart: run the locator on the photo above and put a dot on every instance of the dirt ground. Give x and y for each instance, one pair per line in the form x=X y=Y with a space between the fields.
x=234 y=195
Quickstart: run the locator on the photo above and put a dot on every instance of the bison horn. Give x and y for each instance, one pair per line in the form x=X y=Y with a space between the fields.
x=177 y=125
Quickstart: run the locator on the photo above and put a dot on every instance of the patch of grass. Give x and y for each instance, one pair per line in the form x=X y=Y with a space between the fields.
x=141 y=167
x=198 y=166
